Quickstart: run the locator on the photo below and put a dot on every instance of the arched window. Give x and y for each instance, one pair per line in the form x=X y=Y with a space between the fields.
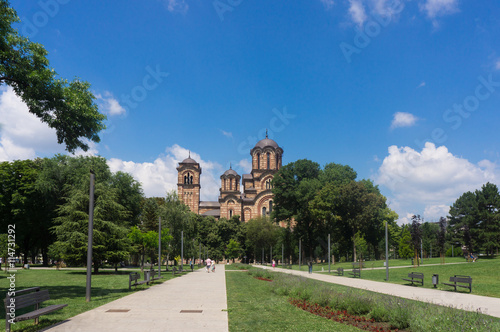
x=230 y=213
x=270 y=207
x=191 y=180
x=258 y=160
x=268 y=160
x=225 y=184
x=269 y=185
x=230 y=184
x=185 y=179
x=264 y=211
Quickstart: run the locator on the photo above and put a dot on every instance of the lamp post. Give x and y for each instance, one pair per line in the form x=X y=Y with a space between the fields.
x=159 y=247
x=329 y=256
x=386 y=253
x=90 y=237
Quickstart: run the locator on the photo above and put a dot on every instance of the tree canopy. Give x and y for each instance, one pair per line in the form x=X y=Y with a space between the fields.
x=68 y=107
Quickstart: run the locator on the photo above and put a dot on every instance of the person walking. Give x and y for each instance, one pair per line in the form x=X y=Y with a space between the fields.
x=274 y=263
x=209 y=262
x=213 y=266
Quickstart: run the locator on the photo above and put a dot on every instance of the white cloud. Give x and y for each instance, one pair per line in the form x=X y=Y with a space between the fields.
x=109 y=104
x=328 y=4
x=497 y=65
x=226 y=133
x=430 y=180
x=22 y=134
x=434 y=8
x=160 y=176
x=245 y=165
x=421 y=85
x=403 y=119
x=357 y=12
x=176 y=6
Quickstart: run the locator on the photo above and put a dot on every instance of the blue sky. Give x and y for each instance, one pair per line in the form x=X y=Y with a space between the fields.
x=360 y=82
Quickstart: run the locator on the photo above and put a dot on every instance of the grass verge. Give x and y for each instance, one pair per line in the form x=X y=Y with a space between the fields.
x=252 y=306
x=399 y=313
x=66 y=286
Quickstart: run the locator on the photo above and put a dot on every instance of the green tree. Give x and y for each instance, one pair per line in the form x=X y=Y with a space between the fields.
x=464 y=213
x=68 y=107
x=405 y=246
x=261 y=234
x=178 y=218
x=233 y=250
x=295 y=185
x=416 y=235
x=110 y=229
x=488 y=200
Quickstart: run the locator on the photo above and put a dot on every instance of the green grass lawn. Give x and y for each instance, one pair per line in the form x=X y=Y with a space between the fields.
x=380 y=263
x=484 y=272
x=253 y=307
x=68 y=287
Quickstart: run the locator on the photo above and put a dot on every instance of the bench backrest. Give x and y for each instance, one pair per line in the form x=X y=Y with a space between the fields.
x=134 y=276
x=463 y=279
x=26 y=300
x=418 y=275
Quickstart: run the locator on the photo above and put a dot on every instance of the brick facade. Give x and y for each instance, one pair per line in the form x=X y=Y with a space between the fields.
x=255 y=200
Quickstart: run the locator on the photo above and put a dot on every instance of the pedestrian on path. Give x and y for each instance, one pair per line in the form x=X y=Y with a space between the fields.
x=213 y=266
x=209 y=262
x=274 y=263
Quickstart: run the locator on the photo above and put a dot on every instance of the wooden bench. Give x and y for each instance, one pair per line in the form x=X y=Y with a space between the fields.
x=24 y=298
x=416 y=277
x=339 y=271
x=355 y=265
x=457 y=280
x=134 y=277
x=356 y=273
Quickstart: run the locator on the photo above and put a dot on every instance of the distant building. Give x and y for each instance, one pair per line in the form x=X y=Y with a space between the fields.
x=255 y=200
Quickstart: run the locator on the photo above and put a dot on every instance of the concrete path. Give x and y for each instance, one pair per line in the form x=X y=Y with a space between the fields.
x=466 y=301
x=201 y=295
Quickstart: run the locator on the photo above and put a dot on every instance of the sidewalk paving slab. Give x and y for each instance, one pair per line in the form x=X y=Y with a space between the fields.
x=159 y=307
x=466 y=301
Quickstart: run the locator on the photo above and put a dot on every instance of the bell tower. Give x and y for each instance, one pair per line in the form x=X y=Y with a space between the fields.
x=188 y=183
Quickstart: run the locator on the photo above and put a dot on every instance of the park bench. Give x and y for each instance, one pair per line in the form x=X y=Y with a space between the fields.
x=460 y=281
x=356 y=273
x=134 y=277
x=355 y=265
x=339 y=271
x=416 y=277
x=152 y=275
x=24 y=298
x=177 y=270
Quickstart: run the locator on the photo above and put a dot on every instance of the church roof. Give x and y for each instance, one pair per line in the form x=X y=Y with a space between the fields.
x=265 y=143
x=230 y=172
x=188 y=161
x=209 y=204
x=213 y=213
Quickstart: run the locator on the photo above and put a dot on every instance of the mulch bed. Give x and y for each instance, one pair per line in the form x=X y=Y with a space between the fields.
x=263 y=279
x=360 y=322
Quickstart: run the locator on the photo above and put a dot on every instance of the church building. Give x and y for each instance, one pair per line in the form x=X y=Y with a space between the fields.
x=253 y=200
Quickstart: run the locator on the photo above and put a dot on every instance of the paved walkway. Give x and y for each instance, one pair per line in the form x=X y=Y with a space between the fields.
x=466 y=301
x=160 y=307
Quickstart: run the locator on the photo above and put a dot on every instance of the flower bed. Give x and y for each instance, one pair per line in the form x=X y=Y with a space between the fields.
x=342 y=316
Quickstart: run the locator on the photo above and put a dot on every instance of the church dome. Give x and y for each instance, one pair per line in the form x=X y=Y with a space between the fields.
x=189 y=161
x=230 y=172
x=265 y=143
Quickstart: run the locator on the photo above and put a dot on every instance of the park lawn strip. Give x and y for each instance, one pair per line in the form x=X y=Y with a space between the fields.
x=252 y=306
x=323 y=267
x=69 y=287
x=484 y=275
